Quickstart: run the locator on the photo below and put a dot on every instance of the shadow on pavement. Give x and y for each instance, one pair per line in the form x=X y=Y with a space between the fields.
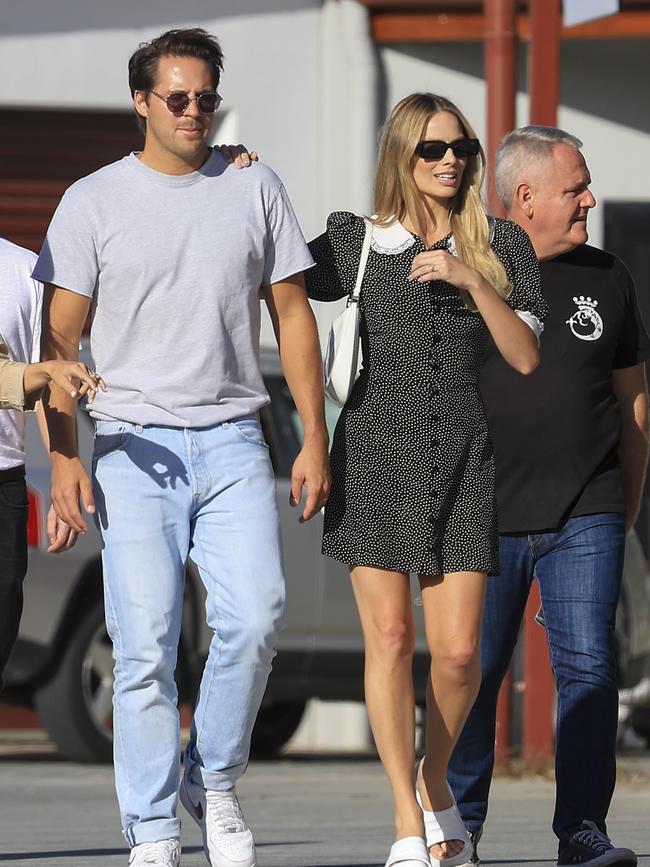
x=79 y=853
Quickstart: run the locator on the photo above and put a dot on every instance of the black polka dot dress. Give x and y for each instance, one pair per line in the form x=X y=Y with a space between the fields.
x=412 y=462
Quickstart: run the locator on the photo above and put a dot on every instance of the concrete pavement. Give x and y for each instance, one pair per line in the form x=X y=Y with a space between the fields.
x=306 y=811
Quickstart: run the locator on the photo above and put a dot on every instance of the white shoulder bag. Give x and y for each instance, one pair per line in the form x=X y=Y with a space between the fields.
x=342 y=357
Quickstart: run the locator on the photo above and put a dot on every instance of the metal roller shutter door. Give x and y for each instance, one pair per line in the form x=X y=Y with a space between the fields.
x=43 y=152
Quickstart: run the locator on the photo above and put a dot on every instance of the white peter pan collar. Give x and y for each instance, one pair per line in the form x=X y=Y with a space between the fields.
x=395 y=239
x=391 y=239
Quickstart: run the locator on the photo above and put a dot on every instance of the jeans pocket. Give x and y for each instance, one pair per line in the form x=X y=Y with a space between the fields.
x=14 y=494
x=249 y=429
x=108 y=439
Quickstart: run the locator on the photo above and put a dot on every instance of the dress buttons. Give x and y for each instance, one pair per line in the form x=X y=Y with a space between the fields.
x=435 y=468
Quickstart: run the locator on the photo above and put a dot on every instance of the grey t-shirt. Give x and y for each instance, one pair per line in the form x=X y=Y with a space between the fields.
x=175 y=265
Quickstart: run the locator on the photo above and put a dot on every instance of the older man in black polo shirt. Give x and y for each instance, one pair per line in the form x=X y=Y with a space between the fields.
x=571 y=445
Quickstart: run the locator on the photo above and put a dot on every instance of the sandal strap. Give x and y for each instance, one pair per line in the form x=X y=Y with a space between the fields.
x=411 y=850
x=443 y=825
x=460 y=860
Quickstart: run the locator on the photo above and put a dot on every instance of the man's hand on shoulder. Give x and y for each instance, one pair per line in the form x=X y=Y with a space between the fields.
x=311 y=470
x=238 y=155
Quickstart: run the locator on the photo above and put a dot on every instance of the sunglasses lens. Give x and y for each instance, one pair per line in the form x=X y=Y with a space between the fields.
x=208 y=102
x=431 y=150
x=466 y=147
x=436 y=149
x=177 y=102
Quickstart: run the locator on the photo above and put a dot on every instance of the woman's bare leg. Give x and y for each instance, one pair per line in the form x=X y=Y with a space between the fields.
x=453 y=614
x=386 y=611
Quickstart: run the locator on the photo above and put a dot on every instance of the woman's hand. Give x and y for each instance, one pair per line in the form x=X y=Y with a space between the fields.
x=513 y=337
x=62 y=537
x=239 y=155
x=441 y=265
x=75 y=378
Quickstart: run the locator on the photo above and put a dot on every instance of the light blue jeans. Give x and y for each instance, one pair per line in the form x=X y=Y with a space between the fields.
x=163 y=494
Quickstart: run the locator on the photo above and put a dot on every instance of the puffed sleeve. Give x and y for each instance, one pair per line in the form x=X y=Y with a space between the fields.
x=512 y=245
x=337 y=253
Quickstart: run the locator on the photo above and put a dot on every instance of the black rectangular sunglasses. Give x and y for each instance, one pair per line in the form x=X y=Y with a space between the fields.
x=435 y=149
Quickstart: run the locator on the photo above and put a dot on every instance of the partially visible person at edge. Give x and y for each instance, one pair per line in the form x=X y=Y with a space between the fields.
x=22 y=379
x=412 y=463
x=174 y=248
x=571 y=447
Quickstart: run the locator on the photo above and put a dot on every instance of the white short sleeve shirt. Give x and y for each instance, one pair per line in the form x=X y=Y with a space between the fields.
x=21 y=300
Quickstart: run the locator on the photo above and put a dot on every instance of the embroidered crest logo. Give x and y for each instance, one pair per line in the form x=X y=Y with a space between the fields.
x=586 y=323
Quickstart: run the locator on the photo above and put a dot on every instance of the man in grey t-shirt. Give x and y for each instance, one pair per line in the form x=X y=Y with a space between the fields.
x=173 y=247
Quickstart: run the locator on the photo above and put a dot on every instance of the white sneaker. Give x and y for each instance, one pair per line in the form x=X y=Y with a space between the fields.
x=163 y=853
x=227 y=839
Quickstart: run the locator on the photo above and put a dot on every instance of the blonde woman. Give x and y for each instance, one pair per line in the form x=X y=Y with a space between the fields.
x=412 y=464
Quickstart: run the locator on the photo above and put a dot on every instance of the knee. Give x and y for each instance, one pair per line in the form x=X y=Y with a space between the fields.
x=145 y=669
x=587 y=673
x=392 y=640
x=459 y=661
x=257 y=635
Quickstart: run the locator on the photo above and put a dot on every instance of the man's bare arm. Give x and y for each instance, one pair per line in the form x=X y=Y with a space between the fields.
x=629 y=385
x=297 y=336
x=64 y=314
x=60 y=535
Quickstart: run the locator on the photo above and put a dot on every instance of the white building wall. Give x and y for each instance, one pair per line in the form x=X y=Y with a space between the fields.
x=302 y=83
x=270 y=81
x=299 y=84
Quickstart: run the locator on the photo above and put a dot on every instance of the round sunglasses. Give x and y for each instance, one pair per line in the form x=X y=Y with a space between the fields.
x=178 y=102
x=435 y=149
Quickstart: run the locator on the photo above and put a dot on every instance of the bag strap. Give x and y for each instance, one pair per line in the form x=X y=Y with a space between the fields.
x=365 y=251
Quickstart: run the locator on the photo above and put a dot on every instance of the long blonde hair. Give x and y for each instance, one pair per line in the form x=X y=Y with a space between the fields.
x=397 y=197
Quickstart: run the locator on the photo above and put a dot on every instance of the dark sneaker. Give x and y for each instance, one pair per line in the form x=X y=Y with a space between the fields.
x=590 y=846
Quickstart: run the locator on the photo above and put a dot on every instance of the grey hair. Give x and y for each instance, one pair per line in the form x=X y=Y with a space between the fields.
x=521 y=148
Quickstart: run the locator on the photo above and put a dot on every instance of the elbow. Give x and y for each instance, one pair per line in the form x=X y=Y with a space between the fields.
x=528 y=363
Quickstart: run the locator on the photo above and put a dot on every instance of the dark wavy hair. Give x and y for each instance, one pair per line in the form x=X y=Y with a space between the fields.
x=192 y=42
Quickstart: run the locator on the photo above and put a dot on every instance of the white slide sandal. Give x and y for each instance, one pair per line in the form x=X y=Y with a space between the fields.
x=409 y=852
x=444 y=826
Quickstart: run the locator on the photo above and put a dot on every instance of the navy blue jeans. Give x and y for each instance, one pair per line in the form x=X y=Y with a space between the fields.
x=579 y=570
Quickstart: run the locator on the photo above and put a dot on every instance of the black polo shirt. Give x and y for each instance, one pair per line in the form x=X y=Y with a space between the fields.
x=556 y=432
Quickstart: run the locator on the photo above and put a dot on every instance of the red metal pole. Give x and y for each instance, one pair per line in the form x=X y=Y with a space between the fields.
x=503 y=745
x=544 y=65
x=539 y=690
x=538 y=736
x=500 y=79
x=500 y=44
